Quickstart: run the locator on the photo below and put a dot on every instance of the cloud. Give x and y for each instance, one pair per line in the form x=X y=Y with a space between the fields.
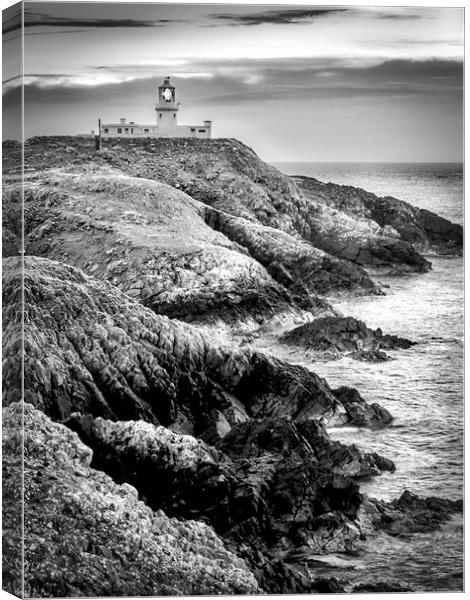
x=36 y=19
x=277 y=17
x=398 y=16
x=231 y=83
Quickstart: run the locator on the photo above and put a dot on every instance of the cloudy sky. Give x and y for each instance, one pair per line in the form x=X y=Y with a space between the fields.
x=296 y=83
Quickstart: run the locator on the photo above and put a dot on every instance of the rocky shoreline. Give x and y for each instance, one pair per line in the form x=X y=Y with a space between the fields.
x=164 y=455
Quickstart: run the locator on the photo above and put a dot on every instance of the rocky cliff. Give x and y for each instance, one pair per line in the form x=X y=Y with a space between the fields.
x=84 y=535
x=349 y=225
x=90 y=348
x=163 y=454
x=395 y=218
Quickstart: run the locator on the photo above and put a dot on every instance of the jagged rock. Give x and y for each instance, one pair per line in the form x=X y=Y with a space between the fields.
x=405 y=515
x=87 y=536
x=395 y=218
x=359 y=412
x=411 y=514
x=92 y=349
x=271 y=483
x=332 y=337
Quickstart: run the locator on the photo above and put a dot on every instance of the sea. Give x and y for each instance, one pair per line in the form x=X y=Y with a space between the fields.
x=422 y=387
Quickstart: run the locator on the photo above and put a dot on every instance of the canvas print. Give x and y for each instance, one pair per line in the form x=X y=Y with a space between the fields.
x=232 y=299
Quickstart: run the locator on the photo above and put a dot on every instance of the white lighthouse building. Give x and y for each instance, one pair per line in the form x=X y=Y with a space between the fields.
x=166 y=123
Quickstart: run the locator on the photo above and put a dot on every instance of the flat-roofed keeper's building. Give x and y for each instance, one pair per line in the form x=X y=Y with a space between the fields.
x=166 y=125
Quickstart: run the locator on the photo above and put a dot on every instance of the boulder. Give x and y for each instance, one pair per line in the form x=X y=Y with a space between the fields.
x=331 y=337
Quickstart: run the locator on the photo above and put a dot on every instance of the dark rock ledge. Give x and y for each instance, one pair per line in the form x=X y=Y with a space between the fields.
x=329 y=338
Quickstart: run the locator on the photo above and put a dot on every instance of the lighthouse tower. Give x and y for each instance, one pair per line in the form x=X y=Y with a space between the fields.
x=166 y=106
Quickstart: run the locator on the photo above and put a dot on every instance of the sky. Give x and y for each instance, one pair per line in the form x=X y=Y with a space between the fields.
x=295 y=83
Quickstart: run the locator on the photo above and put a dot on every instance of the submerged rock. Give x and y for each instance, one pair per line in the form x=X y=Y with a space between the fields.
x=84 y=535
x=332 y=337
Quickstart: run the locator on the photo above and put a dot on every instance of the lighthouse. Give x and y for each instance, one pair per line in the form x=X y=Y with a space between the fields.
x=166 y=125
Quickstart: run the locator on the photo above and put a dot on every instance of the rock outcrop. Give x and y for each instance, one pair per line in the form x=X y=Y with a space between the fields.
x=328 y=338
x=158 y=248
x=90 y=348
x=229 y=177
x=269 y=477
x=359 y=412
x=269 y=488
x=84 y=535
x=412 y=514
x=420 y=227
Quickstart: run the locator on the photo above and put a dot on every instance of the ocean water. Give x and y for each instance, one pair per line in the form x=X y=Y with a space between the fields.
x=422 y=387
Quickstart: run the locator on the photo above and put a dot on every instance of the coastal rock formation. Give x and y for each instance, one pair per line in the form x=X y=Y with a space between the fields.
x=158 y=248
x=250 y=480
x=292 y=261
x=359 y=412
x=92 y=349
x=229 y=177
x=420 y=227
x=176 y=255
x=381 y=587
x=405 y=515
x=11 y=243
x=185 y=461
x=411 y=514
x=87 y=536
x=332 y=337
x=272 y=488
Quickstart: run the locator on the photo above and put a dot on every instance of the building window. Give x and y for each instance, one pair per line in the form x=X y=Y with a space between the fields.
x=119 y=130
x=132 y=130
x=192 y=129
x=174 y=115
x=160 y=115
x=146 y=130
x=202 y=131
x=127 y=130
x=139 y=131
x=106 y=130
